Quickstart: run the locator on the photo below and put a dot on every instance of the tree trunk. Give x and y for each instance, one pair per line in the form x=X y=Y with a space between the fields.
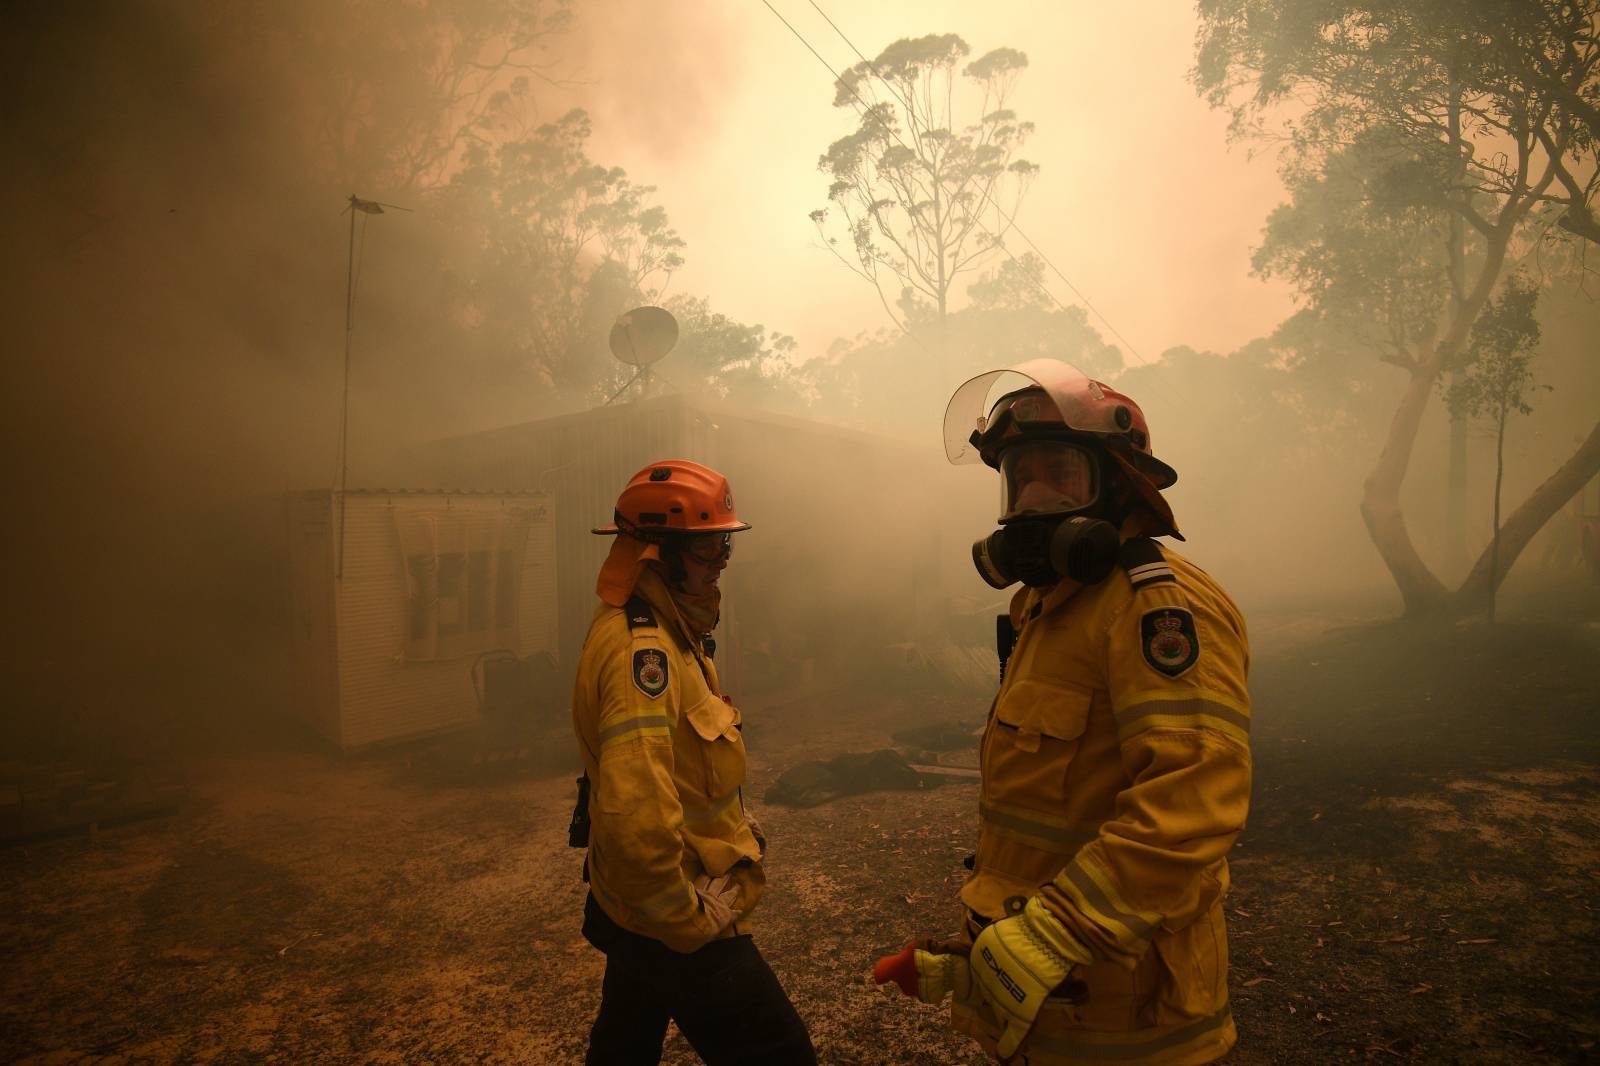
x=1456 y=484
x=1525 y=521
x=1420 y=590
x=1456 y=490
x=1499 y=481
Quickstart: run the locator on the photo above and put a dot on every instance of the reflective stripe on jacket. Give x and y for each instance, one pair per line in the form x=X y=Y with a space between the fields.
x=666 y=762
x=1116 y=775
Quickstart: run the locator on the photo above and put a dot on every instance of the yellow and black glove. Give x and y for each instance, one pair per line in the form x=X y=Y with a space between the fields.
x=1016 y=963
x=928 y=970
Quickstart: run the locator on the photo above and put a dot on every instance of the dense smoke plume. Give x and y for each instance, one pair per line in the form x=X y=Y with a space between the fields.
x=177 y=274
x=176 y=285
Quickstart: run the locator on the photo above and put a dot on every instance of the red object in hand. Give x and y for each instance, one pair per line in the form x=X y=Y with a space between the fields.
x=901 y=969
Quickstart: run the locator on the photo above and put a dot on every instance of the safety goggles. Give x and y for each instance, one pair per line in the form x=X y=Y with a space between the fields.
x=709 y=547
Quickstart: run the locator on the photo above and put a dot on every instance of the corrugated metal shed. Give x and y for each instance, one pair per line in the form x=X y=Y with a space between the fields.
x=391 y=618
x=810 y=490
x=582 y=460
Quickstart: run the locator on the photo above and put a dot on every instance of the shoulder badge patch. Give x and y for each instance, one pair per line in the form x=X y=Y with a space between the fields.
x=1169 y=640
x=650 y=671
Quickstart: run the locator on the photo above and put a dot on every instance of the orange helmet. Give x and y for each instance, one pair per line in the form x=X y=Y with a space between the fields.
x=672 y=497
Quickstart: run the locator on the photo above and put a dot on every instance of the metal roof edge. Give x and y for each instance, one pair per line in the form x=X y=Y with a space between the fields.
x=706 y=406
x=527 y=493
x=515 y=428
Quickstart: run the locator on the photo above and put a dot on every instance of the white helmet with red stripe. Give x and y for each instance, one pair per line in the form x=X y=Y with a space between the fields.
x=1045 y=400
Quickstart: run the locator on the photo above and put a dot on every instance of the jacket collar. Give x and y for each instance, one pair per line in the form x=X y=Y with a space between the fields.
x=655 y=592
x=1029 y=603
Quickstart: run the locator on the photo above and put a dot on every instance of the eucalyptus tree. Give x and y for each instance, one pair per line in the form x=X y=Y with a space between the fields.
x=719 y=356
x=403 y=90
x=1499 y=383
x=1428 y=145
x=1004 y=320
x=926 y=186
x=556 y=246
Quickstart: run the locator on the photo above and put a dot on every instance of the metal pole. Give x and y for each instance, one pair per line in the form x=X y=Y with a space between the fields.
x=624 y=388
x=344 y=411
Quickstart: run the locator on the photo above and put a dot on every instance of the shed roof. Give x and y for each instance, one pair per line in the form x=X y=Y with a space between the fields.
x=528 y=493
x=659 y=404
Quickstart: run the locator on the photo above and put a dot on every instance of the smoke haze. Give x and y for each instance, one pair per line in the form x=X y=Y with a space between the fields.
x=252 y=809
x=177 y=275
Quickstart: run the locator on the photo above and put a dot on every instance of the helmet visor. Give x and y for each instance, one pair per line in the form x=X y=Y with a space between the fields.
x=1079 y=402
x=1046 y=477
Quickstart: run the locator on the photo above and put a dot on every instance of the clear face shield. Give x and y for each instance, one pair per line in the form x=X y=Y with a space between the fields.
x=1056 y=436
x=1029 y=422
x=1046 y=477
x=978 y=407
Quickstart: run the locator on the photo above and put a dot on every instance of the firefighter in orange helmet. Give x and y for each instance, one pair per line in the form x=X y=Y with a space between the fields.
x=674 y=856
x=1116 y=761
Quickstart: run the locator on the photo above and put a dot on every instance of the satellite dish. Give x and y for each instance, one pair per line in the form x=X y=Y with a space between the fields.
x=644 y=335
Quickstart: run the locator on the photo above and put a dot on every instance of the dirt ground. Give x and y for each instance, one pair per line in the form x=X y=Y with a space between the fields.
x=1418 y=882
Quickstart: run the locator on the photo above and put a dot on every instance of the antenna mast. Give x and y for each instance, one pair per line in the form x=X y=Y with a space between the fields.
x=366 y=207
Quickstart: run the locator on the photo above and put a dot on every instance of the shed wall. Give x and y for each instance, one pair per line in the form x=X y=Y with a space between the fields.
x=838 y=558
x=384 y=695
x=583 y=461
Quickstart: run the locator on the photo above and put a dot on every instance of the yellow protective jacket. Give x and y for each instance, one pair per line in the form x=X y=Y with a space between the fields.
x=666 y=763
x=1116 y=775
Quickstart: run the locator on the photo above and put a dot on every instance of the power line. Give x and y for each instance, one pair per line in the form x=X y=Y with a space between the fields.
x=807 y=43
x=1011 y=222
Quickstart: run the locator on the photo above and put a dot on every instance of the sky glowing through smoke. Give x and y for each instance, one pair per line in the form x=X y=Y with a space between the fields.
x=1140 y=202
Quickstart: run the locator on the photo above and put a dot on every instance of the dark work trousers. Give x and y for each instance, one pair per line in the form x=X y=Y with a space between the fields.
x=725 y=998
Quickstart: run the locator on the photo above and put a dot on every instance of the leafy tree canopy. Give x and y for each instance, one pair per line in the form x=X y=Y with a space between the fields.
x=1493 y=93
x=721 y=357
x=1498 y=381
x=883 y=380
x=556 y=247
x=405 y=89
x=925 y=187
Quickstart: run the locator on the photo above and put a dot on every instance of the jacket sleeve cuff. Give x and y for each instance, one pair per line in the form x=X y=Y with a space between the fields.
x=1050 y=929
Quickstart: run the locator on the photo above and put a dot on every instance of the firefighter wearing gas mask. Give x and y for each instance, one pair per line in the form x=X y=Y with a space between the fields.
x=674 y=855
x=1115 y=762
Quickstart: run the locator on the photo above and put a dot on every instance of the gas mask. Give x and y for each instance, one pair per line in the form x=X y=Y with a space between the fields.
x=1041 y=551
x=1051 y=518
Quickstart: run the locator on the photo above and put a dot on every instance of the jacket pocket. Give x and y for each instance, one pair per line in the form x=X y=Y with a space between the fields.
x=1192 y=966
x=1033 y=739
x=716 y=725
x=1211 y=887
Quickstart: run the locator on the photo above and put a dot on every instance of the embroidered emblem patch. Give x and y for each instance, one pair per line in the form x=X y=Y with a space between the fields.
x=1169 y=640
x=650 y=672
